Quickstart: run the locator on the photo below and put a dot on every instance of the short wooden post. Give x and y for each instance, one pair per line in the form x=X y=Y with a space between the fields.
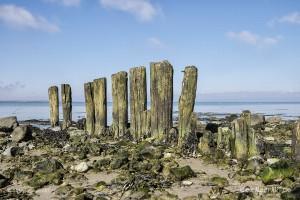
x=296 y=142
x=54 y=105
x=100 y=102
x=66 y=99
x=161 y=99
x=89 y=107
x=120 y=103
x=187 y=101
x=138 y=100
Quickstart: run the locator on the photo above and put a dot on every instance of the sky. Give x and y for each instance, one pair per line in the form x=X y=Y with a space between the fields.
x=243 y=49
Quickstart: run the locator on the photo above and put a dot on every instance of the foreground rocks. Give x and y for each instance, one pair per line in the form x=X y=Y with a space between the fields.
x=71 y=164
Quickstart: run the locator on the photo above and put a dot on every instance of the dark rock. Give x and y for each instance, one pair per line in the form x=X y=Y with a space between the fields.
x=48 y=166
x=7 y=124
x=212 y=127
x=181 y=173
x=21 y=133
x=294 y=194
x=12 y=151
x=81 y=124
x=120 y=160
x=3 y=181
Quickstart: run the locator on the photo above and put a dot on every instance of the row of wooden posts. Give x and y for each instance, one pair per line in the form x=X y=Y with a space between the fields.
x=156 y=122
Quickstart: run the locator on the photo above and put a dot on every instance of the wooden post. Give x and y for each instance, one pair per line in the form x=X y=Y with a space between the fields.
x=89 y=107
x=161 y=99
x=239 y=129
x=120 y=103
x=251 y=135
x=66 y=99
x=100 y=101
x=146 y=124
x=296 y=142
x=138 y=100
x=54 y=106
x=187 y=101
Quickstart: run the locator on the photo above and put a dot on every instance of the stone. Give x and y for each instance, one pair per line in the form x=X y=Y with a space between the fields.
x=11 y=151
x=120 y=160
x=7 y=124
x=271 y=161
x=81 y=167
x=219 y=181
x=187 y=183
x=181 y=173
x=257 y=119
x=3 y=181
x=21 y=133
x=269 y=139
x=47 y=166
x=274 y=119
x=276 y=172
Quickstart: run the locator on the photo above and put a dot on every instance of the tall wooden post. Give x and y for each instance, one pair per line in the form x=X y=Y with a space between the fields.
x=66 y=99
x=251 y=135
x=54 y=105
x=187 y=101
x=161 y=99
x=138 y=100
x=239 y=129
x=100 y=101
x=146 y=124
x=89 y=107
x=120 y=103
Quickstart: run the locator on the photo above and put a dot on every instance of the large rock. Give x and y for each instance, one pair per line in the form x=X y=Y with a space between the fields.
x=3 y=181
x=257 y=119
x=181 y=173
x=21 y=133
x=277 y=172
x=48 y=166
x=7 y=124
x=12 y=151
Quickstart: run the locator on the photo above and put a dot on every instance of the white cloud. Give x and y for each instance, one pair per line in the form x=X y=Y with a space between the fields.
x=155 y=42
x=291 y=18
x=252 y=38
x=143 y=10
x=66 y=2
x=19 y=17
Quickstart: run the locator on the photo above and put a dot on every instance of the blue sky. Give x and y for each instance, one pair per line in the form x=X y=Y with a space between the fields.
x=240 y=47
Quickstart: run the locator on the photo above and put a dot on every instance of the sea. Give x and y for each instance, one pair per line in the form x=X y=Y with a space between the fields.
x=39 y=110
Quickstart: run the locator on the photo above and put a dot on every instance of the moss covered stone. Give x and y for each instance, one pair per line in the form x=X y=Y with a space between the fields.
x=181 y=173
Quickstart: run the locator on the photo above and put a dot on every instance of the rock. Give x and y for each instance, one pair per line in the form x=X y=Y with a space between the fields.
x=3 y=134
x=41 y=179
x=219 y=181
x=294 y=194
x=271 y=161
x=187 y=183
x=148 y=151
x=47 y=166
x=7 y=124
x=81 y=167
x=12 y=151
x=277 y=172
x=257 y=119
x=3 y=181
x=181 y=173
x=274 y=119
x=21 y=133
x=73 y=132
x=120 y=160
x=56 y=128
x=269 y=139
x=268 y=129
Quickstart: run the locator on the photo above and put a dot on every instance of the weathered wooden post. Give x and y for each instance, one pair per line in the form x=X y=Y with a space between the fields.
x=66 y=99
x=296 y=142
x=100 y=102
x=54 y=106
x=161 y=99
x=251 y=135
x=120 y=103
x=187 y=101
x=138 y=100
x=239 y=129
x=146 y=124
x=89 y=107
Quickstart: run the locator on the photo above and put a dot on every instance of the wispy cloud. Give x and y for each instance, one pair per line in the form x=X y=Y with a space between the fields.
x=143 y=10
x=252 y=38
x=155 y=43
x=19 y=17
x=291 y=18
x=66 y=2
x=11 y=86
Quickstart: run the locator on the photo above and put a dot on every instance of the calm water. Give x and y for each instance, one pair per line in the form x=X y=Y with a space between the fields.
x=40 y=110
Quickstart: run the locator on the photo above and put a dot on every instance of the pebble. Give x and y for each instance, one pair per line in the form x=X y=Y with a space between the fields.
x=187 y=183
x=81 y=167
